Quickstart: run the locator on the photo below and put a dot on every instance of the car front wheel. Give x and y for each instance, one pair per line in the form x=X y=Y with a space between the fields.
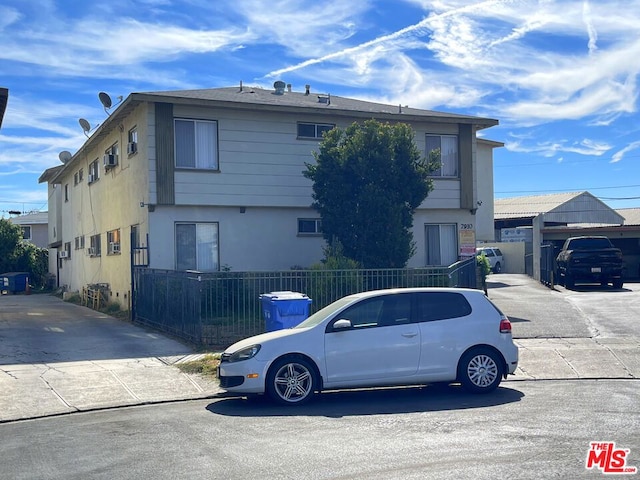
x=291 y=381
x=497 y=268
x=480 y=371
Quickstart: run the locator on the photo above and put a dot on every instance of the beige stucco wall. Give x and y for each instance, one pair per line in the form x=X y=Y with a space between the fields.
x=512 y=254
x=110 y=203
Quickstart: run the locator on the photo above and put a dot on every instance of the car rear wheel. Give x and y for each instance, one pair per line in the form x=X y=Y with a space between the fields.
x=291 y=381
x=480 y=370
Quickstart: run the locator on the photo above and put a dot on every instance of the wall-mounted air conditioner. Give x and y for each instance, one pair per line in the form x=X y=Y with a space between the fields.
x=110 y=160
x=132 y=147
x=91 y=178
x=63 y=254
x=115 y=247
x=91 y=251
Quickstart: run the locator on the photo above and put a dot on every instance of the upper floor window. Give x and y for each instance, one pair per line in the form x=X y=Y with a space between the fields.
x=66 y=192
x=309 y=226
x=447 y=145
x=77 y=177
x=79 y=242
x=196 y=144
x=110 y=159
x=132 y=141
x=94 y=171
x=313 y=130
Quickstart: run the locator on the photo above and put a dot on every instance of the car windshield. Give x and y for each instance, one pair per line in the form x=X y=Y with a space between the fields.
x=323 y=313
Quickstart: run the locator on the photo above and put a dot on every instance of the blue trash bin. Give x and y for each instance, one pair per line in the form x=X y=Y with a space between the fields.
x=284 y=309
x=14 y=282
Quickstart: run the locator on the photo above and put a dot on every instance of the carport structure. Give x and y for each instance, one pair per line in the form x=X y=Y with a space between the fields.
x=555 y=217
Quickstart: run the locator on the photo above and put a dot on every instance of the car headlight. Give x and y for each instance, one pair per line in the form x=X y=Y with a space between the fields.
x=244 y=354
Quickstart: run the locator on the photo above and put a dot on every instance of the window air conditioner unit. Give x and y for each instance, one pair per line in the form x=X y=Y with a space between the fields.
x=63 y=254
x=110 y=161
x=115 y=247
x=91 y=179
x=132 y=147
x=91 y=251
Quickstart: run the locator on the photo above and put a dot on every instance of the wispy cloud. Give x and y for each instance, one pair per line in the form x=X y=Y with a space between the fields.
x=550 y=149
x=619 y=155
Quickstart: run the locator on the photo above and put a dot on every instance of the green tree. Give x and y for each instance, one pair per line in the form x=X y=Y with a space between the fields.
x=19 y=256
x=10 y=236
x=369 y=179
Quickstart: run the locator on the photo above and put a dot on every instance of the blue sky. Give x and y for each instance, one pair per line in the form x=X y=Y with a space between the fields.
x=560 y=76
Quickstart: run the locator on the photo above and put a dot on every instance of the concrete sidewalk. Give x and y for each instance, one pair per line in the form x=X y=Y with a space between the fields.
x=39 y=390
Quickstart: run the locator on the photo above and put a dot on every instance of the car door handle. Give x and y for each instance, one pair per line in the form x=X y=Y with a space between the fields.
x=410 y=334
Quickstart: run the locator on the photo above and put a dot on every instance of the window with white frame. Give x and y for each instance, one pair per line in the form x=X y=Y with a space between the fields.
x=113 y=242
x=196 y=144
x=197 y=247
x=309 y=226
x=441 y=243
x=447 y=146
x=79 y=242
x=313 y=130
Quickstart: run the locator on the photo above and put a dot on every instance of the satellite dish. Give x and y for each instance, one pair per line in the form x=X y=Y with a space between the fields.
x=105 y=99
x=86 y=126
x=65 y=156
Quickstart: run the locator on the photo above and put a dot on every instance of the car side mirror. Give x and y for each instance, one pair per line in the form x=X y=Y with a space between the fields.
x=342 y=324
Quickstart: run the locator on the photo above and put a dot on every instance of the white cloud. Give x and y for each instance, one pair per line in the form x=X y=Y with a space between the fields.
x=619 y=155
x=550 y=149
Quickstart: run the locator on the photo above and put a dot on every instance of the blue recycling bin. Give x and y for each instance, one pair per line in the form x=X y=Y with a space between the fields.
x=284 y=309
x=14 y=282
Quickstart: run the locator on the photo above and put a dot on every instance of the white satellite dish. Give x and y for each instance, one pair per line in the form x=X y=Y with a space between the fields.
x=105 y=100
x=86 y=126
x=64 y=156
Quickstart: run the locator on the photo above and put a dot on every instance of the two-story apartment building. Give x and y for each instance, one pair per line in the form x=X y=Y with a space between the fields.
x=213 y=178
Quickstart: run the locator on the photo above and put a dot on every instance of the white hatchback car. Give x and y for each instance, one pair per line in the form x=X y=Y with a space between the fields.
x=402 y=336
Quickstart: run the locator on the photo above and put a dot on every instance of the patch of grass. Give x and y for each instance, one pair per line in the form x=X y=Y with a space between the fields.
x=206 y=365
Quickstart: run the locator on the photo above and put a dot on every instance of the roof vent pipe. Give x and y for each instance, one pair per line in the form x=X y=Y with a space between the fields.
x=307 y=89
x=279 y=86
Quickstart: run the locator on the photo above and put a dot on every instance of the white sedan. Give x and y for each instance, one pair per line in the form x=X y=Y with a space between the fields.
x=407 y=336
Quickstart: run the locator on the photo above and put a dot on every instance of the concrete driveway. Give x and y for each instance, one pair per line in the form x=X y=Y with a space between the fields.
x=57 y=358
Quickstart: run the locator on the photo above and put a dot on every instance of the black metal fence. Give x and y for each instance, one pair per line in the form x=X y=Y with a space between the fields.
x=547 y=265
x=220 y=308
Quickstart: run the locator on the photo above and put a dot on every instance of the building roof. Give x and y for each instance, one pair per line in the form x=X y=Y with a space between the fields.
x=530 y=206
x=569 y=208
x=4 y=98
x=255 y=99
x=36 y=218
x=631 y=215
x=312 y=101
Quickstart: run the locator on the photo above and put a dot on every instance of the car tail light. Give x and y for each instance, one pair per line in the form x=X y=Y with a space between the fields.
x=505 y=325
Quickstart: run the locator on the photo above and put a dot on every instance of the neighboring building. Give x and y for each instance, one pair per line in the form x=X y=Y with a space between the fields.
x=214 y=179
x=551 y=219
x=34 y=227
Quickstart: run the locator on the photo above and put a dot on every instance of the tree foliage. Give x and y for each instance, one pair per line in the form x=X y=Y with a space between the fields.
x=19 y=256
x=369 y=179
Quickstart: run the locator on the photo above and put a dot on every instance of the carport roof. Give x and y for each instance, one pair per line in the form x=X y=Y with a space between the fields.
x=568 y=208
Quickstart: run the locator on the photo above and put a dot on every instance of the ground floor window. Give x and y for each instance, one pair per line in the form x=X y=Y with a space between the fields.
x=197 y=247
x=441 y=244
